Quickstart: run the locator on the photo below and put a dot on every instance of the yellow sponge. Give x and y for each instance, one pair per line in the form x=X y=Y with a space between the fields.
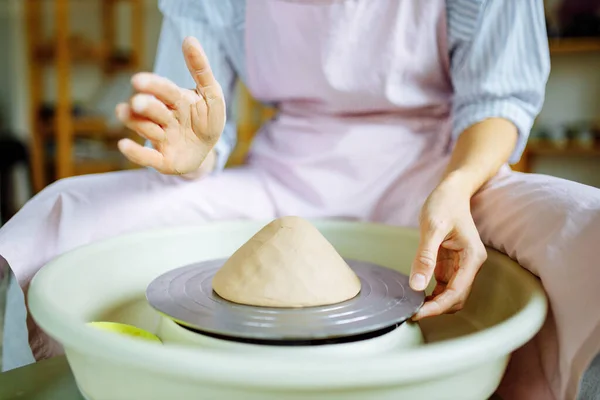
x=125 y=329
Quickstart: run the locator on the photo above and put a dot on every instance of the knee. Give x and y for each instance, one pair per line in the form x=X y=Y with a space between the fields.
x=65 y=195
x=568 y=204
x=67 y=186
x=64 y=184
x=594 y=220
x=576 y=220
x=584 y=208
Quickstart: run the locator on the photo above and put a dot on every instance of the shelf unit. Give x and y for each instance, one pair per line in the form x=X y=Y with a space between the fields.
x=574 y=45
x=544 y=149
x=562 y=48
x=570 y=150
x=65 y=51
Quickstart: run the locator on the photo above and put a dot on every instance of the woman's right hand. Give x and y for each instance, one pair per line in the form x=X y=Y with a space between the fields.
x=183 y=125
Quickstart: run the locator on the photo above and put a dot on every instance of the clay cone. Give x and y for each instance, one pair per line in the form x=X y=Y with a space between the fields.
x=288 y=263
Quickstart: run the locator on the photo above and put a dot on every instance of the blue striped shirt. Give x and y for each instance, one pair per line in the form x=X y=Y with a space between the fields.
x=499 y=58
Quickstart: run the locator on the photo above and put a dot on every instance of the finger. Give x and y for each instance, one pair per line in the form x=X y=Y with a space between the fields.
x=143 y=127
x=197 y=63
x=161 y=88
x=456 y=292
x=447 y=262
x=424 y=263
x=439 y=305
x=471 y=259
x=144 y=156
x=455 y=308
x=214 y=109
x=151 y=108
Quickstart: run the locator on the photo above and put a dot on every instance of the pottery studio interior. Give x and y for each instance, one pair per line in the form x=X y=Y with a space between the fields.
x=160 y=238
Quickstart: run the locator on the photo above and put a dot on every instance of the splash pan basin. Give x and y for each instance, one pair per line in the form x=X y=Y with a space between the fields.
x=455 y=356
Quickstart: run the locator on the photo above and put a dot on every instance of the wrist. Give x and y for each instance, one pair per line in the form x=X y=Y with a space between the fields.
x=207 y=166
x=461 y=182
x=209 y=163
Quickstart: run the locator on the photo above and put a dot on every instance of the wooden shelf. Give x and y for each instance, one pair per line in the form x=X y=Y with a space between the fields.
x=57 y=133
x=571 y=150
x=574 y=45
x=84 y=167
x=79 y=52
x=92 y=55
x=87 y=127
x=543 y=148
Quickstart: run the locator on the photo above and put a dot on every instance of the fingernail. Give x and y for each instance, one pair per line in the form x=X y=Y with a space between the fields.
x=190 y=40
x=141 y=80
x=122 y=145
x=417 y=282
x=139 y=104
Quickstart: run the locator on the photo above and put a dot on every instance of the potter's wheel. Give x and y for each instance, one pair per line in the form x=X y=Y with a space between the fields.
x=185 y=295
x=464 y=355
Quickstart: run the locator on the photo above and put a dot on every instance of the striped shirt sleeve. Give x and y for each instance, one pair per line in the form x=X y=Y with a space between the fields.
x=499 y=63
x=183 y=18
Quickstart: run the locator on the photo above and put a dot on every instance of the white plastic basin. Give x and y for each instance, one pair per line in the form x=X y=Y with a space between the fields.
x=464 y=356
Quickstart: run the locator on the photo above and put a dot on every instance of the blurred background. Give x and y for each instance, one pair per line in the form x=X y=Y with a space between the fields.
x=64 y=65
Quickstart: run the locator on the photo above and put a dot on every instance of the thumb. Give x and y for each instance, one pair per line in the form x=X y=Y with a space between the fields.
x=423 y=266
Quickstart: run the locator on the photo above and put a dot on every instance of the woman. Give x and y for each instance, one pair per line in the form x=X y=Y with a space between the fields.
x=399 y=112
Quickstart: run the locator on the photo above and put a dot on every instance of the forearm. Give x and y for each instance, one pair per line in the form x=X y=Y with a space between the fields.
x=479 y=153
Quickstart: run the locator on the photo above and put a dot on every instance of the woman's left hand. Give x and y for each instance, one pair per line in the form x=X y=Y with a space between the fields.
x=450 y=248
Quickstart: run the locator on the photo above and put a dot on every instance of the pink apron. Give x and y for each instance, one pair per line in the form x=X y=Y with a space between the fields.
x=354 y=113
x=363 y=133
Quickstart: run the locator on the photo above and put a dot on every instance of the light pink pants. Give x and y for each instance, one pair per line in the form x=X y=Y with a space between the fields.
x=550 y=226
